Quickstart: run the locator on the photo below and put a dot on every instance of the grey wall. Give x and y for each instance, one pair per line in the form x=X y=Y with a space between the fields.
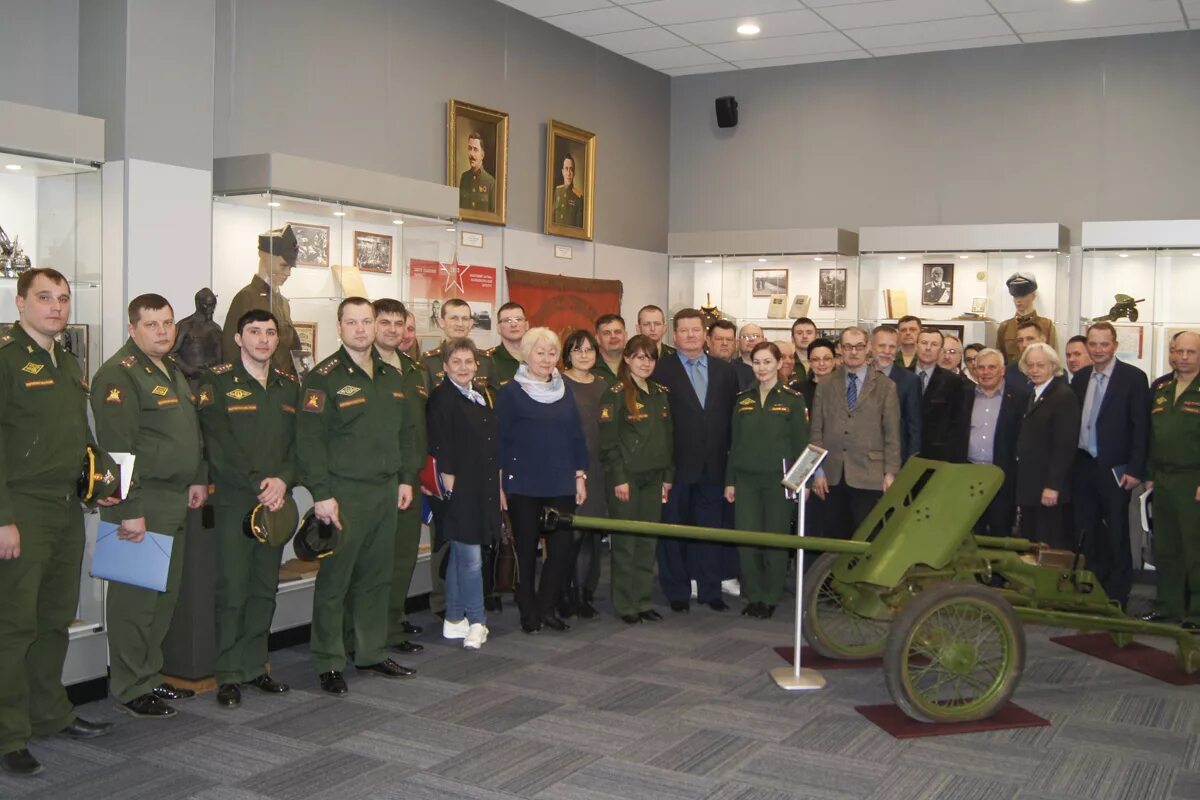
x=1065 y=131
x=365 y=83
x=39 y=53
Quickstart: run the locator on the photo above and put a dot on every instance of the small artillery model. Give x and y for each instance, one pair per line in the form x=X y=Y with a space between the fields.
x=942 y=606
x=1125 y=306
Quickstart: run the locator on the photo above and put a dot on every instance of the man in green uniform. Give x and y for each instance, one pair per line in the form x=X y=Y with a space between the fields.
x=652 y=323
x=390 y=319
x=357 y=455
x=568 y=201
x=1174 y=467
x=804 y=332
x=476 y=188
x=610 y=333
x=1023 y=288
x=506 y=356
x=248 y=414
x=455 y=320
x=142 y=405
x=277 y=251
x=43 y=435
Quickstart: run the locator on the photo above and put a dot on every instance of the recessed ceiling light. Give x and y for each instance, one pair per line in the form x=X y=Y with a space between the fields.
x=762 y=261
x=748 y=29
x=1195 y=255
x=339 y=213
x=449 y=230
x=273 y=204
x=818 y=258
x=902 y=258
x=1077 y=1
x=708 y=261
x=13 y=167
x=1029 y=255
x=964 y=258
x=1123 y=255
x=397 y=222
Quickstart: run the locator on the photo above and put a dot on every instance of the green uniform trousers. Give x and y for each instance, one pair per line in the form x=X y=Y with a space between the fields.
x=247 y=580
x=404 y=560
x=761 y=506
x=38 y=601
x=633 y=554
x=1177 y=545
x=357 y=576
x=138 y=619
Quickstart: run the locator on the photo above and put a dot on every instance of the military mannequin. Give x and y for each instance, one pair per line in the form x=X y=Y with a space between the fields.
x=476 y=187
x=43 y=412
x=143 y=405
x=1023 y=288
x=568 y=201
x=198 y=339
x=277 y=251
x=248 y=414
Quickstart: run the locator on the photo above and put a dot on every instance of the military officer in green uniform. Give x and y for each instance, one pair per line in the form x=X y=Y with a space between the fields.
x=357 y=455
x=277 y=251
x=637 y=448
x=568 y=201
x=652 y=323
x=1174 y=467
x=1023 y=288
x=770 y=425
x=248 y=415
x=506 y=356
x=476 y=187
x=456 y=322
x=44 y=434
x=142 y=405
x=390 y=318
x=610 y=333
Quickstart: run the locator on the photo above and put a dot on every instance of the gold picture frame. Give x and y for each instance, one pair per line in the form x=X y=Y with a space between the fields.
x=482 y=193
x=570 y=203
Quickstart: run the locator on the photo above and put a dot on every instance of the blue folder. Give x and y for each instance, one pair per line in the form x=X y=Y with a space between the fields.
x=144 y=564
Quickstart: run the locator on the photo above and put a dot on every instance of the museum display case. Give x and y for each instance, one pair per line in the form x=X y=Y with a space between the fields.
x=1142 y=277
x=954 y=277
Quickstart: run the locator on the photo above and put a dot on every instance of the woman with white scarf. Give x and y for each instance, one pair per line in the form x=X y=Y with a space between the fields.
x=543 y=462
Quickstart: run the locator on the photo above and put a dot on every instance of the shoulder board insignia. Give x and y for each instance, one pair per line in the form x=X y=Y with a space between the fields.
x=617 y=388
x=421 y=390
x=792 y=391
x=328 y=366
x=238 y=394
x=430 y=353
x=128 y=361
x=480 y=380
x=33 y=368
x=221 y=369
x=662 y=388
x=160 y=391
x=314 y=401
x=285 y=375
x=6 y=340
x=349 y=391
x=169 y=357
x=491 y=351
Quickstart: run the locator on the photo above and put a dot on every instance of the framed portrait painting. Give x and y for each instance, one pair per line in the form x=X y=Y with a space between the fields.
x=477 y=161
x=373 y=252
x=313 y=244
x=937 y=284
x=570 y=190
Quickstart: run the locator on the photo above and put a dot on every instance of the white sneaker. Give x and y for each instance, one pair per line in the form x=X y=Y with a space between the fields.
x=732 y=586
x=455 y=630
x=476 y=636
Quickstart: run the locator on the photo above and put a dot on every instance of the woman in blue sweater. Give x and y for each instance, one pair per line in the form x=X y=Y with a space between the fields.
x=543 y=462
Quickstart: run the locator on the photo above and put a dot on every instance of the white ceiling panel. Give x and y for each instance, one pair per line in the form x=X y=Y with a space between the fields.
x=787 y=23
x=685 y=37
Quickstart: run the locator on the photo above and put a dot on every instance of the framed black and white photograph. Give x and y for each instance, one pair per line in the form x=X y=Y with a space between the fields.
x=937 y=284
x=831 y=290
x=766 y=282
x=373 y=252
x=313 y=244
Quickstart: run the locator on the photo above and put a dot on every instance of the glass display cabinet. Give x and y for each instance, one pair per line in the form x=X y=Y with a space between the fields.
x=954 y=276
x=1142 y=276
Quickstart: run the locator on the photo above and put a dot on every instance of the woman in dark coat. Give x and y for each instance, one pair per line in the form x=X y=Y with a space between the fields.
x=1046 y=448
x=463 y=438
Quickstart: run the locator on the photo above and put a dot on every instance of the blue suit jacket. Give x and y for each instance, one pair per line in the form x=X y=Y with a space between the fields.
x=1123 y=427
x=908 y=389
x=702 y=435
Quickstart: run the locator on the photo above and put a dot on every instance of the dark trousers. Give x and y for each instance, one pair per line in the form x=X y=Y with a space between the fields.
x=845 y=509
x=680 y=561
x=536 y=599
x=1045 y=524
x=1102 y=525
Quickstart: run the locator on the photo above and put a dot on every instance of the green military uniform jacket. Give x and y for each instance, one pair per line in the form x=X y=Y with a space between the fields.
x=477 y=191
x=504 y=365
x=257 y=294
x=141 y=409
x=416 y=390
x=435 y=371
x=1006 y=336
x=601 y=370
x=911 y=366
x=354 y=427
x=764 y=434
x=1175 y=430
x=43 y=420
x=249 y=430
x=568 y=206
x=665 y=350
x=638 y=441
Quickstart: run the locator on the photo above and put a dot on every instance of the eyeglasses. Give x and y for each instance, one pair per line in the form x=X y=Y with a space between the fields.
x=586 y=349
x=951 y=352
x=749 y=337
x=855 y=348
x=512 y=321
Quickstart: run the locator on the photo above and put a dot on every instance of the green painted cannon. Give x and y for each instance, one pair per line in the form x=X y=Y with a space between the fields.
x=942 y=606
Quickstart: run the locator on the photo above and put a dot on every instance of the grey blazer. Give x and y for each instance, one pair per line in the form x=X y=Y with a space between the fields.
x=862 y=445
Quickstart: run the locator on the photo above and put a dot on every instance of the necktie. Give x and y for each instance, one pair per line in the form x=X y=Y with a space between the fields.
x=852 y=391
x=699 y=379
x=1097 y=396
x=924 y=380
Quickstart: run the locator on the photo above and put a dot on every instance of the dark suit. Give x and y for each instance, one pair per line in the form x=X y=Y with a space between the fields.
x=908 y=389
x=745 y=374
x=941 y=405
x=1102 y=507
x=1001 y=513
x=1045 y=458
x=1013 y=376
x=702 y=437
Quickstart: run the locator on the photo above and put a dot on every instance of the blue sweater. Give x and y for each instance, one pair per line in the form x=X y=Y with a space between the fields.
x=541 y=444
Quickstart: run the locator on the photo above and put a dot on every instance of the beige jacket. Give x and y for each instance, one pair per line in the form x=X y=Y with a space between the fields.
x=862 y=445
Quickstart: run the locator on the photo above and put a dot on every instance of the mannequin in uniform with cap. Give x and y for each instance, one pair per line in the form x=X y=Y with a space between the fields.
x=277 y=250
x=1023 y=288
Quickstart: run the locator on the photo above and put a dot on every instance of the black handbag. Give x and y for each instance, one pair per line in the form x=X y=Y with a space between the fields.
x=506 y=573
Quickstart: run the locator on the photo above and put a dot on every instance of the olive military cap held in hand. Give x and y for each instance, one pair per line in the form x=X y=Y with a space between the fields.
x=100 y=478
x=315 y=539
x=272 y=527
x=280 y=242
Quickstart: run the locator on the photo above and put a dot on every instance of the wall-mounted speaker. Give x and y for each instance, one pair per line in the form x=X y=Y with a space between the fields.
x=727 y=115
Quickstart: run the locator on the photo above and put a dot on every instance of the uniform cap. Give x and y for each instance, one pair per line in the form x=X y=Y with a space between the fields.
x=280 y=242
x=315 y=539
x=1021 y=284
x=272 y=527
x=100 y=477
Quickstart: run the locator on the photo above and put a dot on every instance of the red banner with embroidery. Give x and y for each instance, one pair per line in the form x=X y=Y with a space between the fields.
x=562 y=303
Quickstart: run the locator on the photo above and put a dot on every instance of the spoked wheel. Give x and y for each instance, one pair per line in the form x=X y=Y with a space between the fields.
x=955 y=654
x=829 y=626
